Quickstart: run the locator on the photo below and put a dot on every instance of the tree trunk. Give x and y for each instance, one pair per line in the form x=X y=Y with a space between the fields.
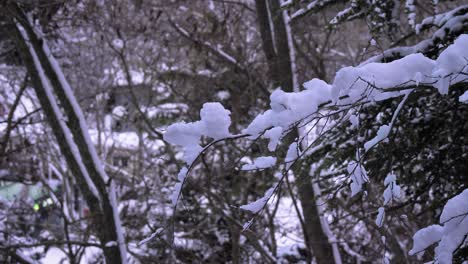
x=275 y=46
x=104 y=214
x=318 y=240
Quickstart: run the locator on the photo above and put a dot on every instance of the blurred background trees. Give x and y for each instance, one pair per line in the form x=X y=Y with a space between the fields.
x=137 y=66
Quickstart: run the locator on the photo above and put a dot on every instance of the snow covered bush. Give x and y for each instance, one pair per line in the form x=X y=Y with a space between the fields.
x=353 y=89
x=369 y=151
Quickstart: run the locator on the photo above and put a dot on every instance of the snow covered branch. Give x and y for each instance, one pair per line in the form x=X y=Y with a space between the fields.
x=352 y=87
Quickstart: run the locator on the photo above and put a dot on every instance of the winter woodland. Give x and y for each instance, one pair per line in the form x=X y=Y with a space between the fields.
x=233 y=131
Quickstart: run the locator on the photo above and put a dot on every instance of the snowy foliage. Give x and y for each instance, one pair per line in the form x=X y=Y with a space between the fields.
x=260 y=163
x=372 y=82
x=258 y=205
x=392 y=190
x=343 y=168
x=450 y=234
x=214 y=123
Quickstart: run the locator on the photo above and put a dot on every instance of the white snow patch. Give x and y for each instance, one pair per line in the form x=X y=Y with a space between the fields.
x=380 y=217
x=426 y=237
x=293 y=152
x=382 y=134
x=258 y=205
x=393 y=190
x=214 y=123
x=358 y=176
x=260 y=163
x=111 y=244
x=451 y=232
x=464 y=97
x=274 y=135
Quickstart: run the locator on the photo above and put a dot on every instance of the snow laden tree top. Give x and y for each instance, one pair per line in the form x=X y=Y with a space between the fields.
x=353 y=89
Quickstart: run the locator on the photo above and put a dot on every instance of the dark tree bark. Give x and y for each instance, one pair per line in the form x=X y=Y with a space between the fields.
x=268 y=46
x=279 y=63
x=103 y=214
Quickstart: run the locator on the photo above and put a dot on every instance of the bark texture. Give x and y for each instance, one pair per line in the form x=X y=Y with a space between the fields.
x=102 y=211
x=276 y=49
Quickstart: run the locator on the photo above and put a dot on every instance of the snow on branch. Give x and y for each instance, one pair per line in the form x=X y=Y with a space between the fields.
x=255 y=207
x=59 y=116
x=440 y=20
x=214 y=123
x=365 y=83
x=358 y=175
x=450 y=234
x=78 y=139
x=348 y=13
x=369 y=82
x=392 y=190
x=464 y=97
x=153 y=235
x=313 y=6
x=260 y=163
x=384 y=130
x=352 y=86
x=448 y=25
x=77 y=110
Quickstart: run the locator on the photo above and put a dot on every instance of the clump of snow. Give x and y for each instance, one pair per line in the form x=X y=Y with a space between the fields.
x=426 y=237
x=453 y=59
x=178 y=187
x=223 y=95
x=382 y=134
x=274 y=135
x=216 y=120
x=464 y=97
x=371 y=80
x=380 y=217
x=451 y=232
x=293 y=152
x=354 y=119
x=111 y=244
x=411 y=10
x=457 y=206
x=258 y=205
x=358 y=81
x=392 y=189
x=119 y=112
x=118 y=43
x=260 y=163
x=288 y=108
x=214 y=123
x=358 y=176
x=318 y=85
x=440 y=19
x=183 y=134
